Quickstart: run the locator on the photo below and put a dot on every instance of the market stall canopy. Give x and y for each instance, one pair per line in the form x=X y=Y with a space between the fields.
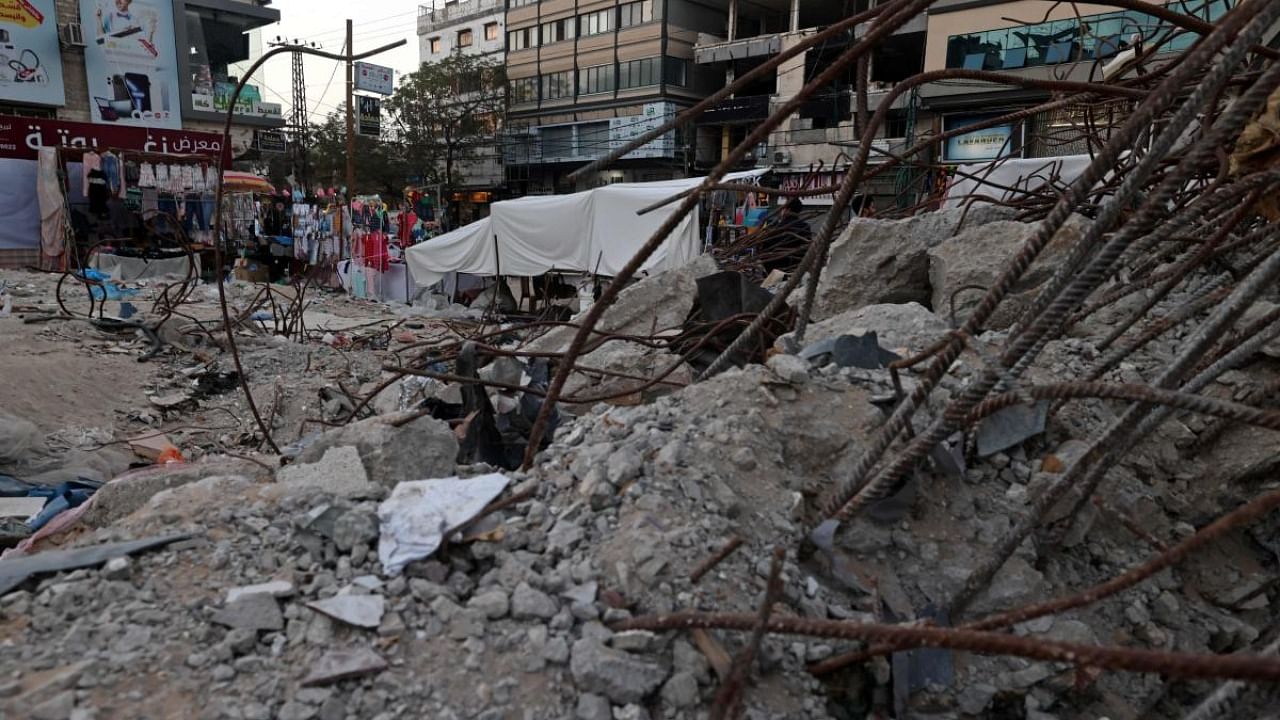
x=596 y=231
x=235 y=181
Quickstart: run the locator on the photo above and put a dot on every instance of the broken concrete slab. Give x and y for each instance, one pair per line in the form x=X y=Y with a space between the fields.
x=977 y=256
x=15 y=571
x=854 y=351
x=21 y=507
x=130 y=492
x=887 y=261
x=258 y=611
x=360 y=610
x=617 y=675
x=339 y=472
x=904 y=329
x=1011 y=427
x=392 y=448
x=275 y=588
x=340 y=665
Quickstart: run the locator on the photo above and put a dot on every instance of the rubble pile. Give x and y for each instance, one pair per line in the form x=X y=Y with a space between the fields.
x=1016 y=461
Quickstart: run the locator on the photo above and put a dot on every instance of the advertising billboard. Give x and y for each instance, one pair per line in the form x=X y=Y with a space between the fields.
x=987 y=144
x=368 y=116
x=30 y=59
x=131 y=62
x=375 y=78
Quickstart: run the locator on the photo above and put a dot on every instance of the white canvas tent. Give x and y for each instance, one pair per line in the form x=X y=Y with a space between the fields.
x=596 y=231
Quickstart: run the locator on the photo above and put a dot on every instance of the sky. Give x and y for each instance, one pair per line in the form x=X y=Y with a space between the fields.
x=380 y=22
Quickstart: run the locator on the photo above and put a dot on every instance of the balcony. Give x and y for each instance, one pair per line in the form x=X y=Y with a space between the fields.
x=725 y=50
x=751 y=108
x=431 y=19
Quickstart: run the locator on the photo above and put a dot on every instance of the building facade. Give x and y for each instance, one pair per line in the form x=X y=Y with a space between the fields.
x=811 y=147
x=475 y=28
x=1081 y=42
x=586 y=76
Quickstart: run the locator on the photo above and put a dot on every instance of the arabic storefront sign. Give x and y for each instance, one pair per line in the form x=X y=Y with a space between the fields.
x=270 y=141
x=131 y=62
x=985 y=144
x=21 y=138
x=375 y=78
x=369 y=116
x=30 y=59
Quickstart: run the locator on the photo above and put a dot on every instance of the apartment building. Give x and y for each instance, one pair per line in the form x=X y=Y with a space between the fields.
x=811 y=148
x=1078 y=41
x=470 y=27
x=586 y=76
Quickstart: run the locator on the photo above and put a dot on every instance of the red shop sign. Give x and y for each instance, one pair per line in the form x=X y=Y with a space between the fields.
x=22 y=137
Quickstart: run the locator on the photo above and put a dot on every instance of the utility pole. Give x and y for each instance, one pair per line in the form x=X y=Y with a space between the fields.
x=299 y=118
x=351 y=116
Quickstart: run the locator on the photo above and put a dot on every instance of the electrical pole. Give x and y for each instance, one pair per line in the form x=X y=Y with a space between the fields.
x=299 y=119
x=351 y=115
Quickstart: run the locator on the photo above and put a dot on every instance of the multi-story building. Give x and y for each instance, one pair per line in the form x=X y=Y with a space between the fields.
x=585 y=76
x=468 y=27
x=811 y=147
x=1078 y=41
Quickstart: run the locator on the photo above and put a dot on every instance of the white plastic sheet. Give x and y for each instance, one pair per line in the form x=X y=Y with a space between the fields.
x=415 y=518
x=1026 y=175
x=597 y=231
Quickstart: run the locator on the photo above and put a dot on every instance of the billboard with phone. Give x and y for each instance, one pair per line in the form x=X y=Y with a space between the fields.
x=30 y=59
x=131 y=62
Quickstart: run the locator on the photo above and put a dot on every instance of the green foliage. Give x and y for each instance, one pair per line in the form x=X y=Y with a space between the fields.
x=443 y=114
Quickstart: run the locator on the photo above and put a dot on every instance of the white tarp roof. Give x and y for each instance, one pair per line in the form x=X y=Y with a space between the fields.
x=593 y=231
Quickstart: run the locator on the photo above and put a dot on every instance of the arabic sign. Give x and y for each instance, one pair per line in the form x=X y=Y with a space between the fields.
x=986 y=144
x=375 y=78
x=368 y=116
x=30 y=59
x=270 y=141
x=21 y=138
x=131 y=62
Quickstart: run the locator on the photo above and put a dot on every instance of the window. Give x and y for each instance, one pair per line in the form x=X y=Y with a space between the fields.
x=521 y=3
x=557 y=141
x=1085 y=38
x=491 y=31
x=523 y=38
x=558 y=30
x=557 y=85
x=595 y=23
x=638 y=73
x=593 y=139
x=598 y=79
x=634 y=13
x=524 y=90
x=435 y=46
x=464 y=38
x=675 y=72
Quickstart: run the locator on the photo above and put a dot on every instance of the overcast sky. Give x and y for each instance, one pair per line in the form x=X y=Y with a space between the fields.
x=377 y=22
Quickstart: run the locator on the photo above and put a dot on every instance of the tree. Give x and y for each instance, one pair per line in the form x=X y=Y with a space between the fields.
x=379 y=168
x=446 y=114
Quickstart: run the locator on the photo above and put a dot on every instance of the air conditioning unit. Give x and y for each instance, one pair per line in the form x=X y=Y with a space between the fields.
x=781 y=157
x=71 y=34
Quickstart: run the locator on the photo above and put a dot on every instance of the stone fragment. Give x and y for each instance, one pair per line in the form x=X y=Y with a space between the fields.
x=359 y=610
x=339 y=665
x=118 y=568
x=527 y=602
x=619 y=676
x=494 y=604
x=421 y=448
x=789 y=368
x=593 y=707
x=275 y=588
x=680 y=690
x=338 y=472
x=357 y=527
x=251 y=612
